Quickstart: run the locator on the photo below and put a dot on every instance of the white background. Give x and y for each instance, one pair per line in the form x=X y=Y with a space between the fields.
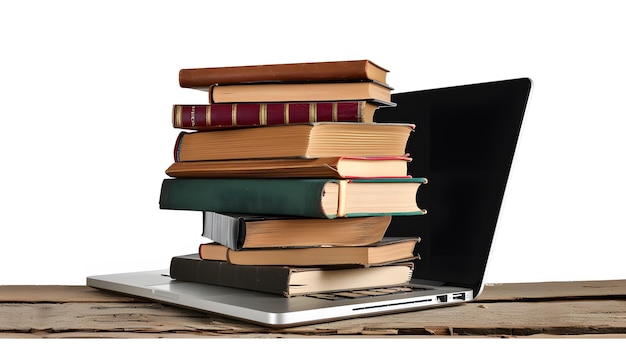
x=86 y=90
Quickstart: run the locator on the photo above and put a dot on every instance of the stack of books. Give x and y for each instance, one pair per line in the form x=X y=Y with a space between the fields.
x=296 y=183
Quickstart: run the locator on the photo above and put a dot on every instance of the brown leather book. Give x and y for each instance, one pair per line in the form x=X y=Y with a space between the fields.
x=353 y=70
x=323 y=139
x=326 y=167
x=388 y=250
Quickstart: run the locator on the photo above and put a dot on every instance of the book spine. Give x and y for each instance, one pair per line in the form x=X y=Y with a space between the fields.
x=266 y=279
x=201 y=117
x=223 y=229
x=179 y=140
x=289 y=197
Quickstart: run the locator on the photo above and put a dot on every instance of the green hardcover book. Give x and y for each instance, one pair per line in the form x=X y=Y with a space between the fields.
x=319 y=198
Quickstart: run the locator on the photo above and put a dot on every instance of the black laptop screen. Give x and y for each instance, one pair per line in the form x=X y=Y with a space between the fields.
x=464 y=143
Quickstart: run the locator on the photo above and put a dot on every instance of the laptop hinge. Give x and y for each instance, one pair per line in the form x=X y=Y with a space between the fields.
x=427 y=282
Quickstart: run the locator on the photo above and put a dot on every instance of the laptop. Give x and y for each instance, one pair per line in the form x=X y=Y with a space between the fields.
x=464 y=143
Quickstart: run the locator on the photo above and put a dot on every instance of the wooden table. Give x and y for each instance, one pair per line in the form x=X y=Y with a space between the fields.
x=580 y=309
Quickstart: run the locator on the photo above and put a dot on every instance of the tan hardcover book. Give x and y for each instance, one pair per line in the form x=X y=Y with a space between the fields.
x=249 y=231
x=315 y=91
x=386 y=251
x=316 y=140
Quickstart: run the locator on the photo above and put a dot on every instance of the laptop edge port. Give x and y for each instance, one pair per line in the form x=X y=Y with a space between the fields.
x=458 y=296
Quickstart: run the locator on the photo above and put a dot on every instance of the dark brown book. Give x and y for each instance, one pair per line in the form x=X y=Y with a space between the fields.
x=388 y=250
x=351 y=70
x=329 y=167
x=287 y=281
x=315 y=140
x=249 y=231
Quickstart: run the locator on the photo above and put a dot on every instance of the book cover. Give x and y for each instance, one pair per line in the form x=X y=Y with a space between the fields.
x=229 y=115
x=284 y=280
x=328 y=167
x=388 y=250
x=314 y=140
x=245 y=231
x=349 y=70
x=318 y=198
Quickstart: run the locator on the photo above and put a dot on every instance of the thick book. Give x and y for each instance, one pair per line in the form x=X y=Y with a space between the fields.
x=287 y=281
x=388 y=250
x=248 y=231
x=207 y=117
x=294 y=92
x=314 y=140
x=317 y=198
x=328 y=167
x=351 y=70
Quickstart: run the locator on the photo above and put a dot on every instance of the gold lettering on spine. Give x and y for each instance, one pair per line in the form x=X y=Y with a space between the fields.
x=312 y=112
x=233 y=115
x=360 y=111
x=263 y=114
x=286 y=118
x=335 y=114
x=341 y=204
x=193 y=116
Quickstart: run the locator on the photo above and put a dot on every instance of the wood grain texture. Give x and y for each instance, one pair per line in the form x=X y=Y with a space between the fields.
x=58 y=293
x=554 y=290
x=578 y=309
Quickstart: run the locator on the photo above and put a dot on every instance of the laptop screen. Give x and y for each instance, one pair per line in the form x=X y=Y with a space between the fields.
x=464 y=144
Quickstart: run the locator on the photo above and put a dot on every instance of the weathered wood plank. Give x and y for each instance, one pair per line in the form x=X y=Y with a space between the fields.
x=492 y=292
x=58 y=293
x=111 y=317
x=576 y=317
x=589 y=308
x=553 y=290
x=505 y=318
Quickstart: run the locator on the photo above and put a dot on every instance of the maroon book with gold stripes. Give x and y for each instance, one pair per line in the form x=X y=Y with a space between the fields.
x=228 y=115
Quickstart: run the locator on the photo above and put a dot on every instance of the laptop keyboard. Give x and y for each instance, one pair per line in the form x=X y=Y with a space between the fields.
x=357 y=294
